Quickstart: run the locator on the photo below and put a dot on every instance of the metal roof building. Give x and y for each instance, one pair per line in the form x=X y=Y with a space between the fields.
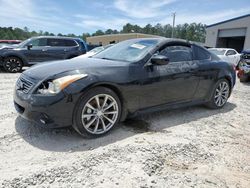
x=233 y=33
x=115 y=38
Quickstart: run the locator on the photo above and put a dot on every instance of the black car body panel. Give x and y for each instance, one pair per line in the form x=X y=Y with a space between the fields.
x=141 y=86
x=47 y=51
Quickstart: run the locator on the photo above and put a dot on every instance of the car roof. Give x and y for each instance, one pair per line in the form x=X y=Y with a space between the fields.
x=56 y=37
x=162 y=40
x=222 y=49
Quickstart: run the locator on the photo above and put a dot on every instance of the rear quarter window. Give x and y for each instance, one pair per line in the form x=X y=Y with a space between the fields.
x=70 y=43
x=201 y=53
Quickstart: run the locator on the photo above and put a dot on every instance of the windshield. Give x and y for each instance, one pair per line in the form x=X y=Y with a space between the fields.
x=22 y=44
x=130 y=50
x=217 y=52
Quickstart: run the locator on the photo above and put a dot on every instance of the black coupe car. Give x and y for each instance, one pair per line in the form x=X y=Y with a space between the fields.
x=129 y=78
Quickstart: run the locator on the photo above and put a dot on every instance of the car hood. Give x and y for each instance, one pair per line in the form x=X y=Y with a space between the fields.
x=83 y=65
x=3 y=48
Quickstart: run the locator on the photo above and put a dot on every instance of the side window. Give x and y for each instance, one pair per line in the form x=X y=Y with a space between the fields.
x=70 y=43
x=56 y=42
x=230 y=52
x=201 y=53
x=38 y=42
x=177 y=53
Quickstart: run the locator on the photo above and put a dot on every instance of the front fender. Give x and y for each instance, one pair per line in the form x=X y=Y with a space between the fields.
x=16 y=54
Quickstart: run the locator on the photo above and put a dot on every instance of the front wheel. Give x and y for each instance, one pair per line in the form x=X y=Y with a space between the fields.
x=220 y=94
x=97 y=112
x=12 y=64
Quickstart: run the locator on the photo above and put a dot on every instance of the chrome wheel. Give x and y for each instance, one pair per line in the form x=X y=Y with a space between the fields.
x=13 y=64
x=100 y=114
x=221 y=94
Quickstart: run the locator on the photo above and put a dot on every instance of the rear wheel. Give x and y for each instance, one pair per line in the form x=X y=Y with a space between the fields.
x=97 y=112
x=220 y=94
x=12 y=64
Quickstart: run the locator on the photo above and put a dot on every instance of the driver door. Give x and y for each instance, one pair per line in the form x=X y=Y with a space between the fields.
x=171 y=83
x=37 y=53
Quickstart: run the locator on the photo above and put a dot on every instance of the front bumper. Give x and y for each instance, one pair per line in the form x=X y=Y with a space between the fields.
x=47 y=111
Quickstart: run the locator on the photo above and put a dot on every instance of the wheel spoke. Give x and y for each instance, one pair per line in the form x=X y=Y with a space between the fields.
x=90 y=122
x=96 y=125
x=90 y=106
x=105 y=101
x=109 y=106
x=88 y=115
x=103 y=125
x=111 y=121
x=112 y=112
x=97 y=102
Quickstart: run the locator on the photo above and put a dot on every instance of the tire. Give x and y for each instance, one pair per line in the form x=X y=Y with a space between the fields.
x=92 y=118
x=243 y=78
x=220 y=94
x=12 y=64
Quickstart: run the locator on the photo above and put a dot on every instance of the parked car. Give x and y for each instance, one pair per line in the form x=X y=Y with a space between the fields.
x=244 y=66
x=5 y=43
x=130 y=78
x=10 y=42
x=40 y=49
x=96 y=50
x=227 y=54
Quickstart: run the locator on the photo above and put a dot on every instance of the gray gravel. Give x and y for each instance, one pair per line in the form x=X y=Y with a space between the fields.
x=190 y=147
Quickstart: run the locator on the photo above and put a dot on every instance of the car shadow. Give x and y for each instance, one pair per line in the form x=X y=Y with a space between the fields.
x=67 y=140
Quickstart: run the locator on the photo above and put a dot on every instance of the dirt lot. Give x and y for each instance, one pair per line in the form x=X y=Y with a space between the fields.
x=190 y=147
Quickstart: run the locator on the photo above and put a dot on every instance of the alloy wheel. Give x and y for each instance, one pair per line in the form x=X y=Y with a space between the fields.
x=100 y=114
x=13 y=65
x=221 y=94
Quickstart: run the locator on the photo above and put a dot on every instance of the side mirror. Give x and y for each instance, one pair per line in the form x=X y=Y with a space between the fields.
x=160 y=60
x=29 y=46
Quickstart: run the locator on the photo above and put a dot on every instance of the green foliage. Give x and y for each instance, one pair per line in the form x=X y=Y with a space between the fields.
x=193 y=32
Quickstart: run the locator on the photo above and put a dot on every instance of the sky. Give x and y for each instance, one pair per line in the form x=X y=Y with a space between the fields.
x=81 y=16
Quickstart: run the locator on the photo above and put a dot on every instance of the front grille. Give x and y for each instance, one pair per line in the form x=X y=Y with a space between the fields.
x=24 y=84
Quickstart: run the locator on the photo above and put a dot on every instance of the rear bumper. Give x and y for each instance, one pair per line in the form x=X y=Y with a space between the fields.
x=46 y=111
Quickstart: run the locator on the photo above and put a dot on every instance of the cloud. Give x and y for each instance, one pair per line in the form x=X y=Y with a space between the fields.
x=90 y=22
x=20 y=13
x=211 y=18
x=141 y=8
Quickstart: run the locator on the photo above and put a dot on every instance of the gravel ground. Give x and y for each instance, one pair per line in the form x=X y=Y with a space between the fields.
x=190 y=147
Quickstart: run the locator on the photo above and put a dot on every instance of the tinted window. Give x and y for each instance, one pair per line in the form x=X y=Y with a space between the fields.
x=201 y=53
x=231 y=52
x=70 y=43
x=56 y=42
x=177 y=53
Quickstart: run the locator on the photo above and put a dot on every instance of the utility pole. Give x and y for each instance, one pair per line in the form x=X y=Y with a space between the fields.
x=173 y=14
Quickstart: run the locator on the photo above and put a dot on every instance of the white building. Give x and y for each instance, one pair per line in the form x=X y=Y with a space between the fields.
x=233 y=33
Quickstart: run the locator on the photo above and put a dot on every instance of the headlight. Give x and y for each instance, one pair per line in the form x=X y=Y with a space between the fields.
x=57 y=85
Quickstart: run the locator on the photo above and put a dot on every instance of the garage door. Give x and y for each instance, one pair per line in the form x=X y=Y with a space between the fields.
x=239 y=32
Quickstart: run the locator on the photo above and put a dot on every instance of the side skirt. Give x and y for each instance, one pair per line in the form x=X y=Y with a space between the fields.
x=168 y=106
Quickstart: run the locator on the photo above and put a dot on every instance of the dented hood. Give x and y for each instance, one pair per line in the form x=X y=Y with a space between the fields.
x=82 y=64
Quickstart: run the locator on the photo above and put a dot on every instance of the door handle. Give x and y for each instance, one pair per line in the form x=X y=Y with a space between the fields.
x=44 y=50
